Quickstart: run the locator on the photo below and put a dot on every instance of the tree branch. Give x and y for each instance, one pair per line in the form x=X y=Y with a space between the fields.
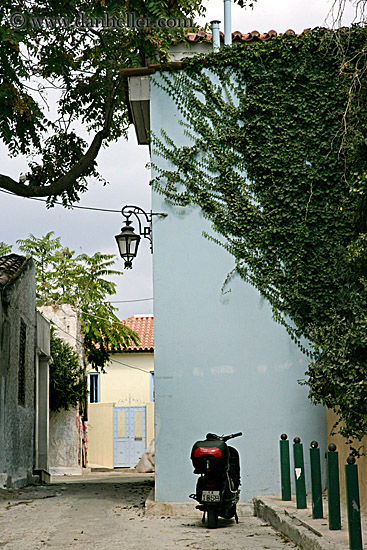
x=67 y=180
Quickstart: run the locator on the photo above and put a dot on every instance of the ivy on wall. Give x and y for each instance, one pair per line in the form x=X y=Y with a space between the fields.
x=275 y=156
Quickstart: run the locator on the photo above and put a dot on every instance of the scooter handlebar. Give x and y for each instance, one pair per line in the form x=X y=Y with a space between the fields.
x=213 y=437
x=225 y=438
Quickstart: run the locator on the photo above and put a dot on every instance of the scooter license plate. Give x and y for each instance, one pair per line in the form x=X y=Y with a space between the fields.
x=210 y=496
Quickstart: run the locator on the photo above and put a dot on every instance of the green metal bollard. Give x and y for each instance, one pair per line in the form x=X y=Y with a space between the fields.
x=317 y=511
x=285 y=468
x=299 y=472
x=353 y=505
x=333 y=488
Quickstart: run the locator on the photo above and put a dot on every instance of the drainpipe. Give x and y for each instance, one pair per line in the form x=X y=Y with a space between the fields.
x=216 y=35
x=227 y=23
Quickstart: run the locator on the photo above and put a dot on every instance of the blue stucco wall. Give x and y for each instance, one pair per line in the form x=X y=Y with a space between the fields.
x=221 y=363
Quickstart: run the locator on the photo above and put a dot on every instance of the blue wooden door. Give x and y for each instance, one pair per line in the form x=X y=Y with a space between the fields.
x=129 y=436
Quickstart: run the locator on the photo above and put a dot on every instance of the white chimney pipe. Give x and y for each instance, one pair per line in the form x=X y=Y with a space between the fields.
x=227 y=23
x=216 y=35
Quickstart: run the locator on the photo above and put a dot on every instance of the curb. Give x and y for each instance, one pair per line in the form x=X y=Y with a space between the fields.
x=300 y=531
x=297 y=525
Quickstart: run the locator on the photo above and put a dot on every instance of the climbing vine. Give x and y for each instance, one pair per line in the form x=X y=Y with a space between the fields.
x=275 y=156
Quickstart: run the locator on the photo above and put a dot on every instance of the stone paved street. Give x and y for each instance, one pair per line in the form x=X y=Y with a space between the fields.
x=105 y=512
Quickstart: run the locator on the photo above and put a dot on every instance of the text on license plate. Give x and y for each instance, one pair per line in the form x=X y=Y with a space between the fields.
x=211 y=496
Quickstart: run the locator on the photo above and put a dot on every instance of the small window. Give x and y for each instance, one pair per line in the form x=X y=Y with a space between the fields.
x=21 y=369
x=94 y=387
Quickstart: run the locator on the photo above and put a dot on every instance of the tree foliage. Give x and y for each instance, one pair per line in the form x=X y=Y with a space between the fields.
x=62 y=277
x=276 y=158
x=4 y=248
x=68 y=382
x=82 y=67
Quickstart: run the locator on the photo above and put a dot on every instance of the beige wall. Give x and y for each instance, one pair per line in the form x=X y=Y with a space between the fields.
x=100 y=434
x=127 y=384
x=343 y=450
x=150 y=423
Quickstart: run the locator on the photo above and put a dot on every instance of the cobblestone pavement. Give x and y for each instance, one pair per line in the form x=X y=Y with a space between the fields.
x=106 y=512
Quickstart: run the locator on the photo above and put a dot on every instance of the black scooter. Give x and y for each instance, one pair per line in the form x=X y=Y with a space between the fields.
x=217 y=489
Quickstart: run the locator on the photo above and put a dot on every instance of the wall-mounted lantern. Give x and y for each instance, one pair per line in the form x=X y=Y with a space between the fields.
x=128 y=241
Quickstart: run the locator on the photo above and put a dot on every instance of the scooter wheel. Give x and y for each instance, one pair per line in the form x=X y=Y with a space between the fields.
x=212 y=518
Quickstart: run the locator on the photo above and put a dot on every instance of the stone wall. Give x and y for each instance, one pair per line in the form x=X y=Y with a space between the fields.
x=17 y=310
x=67 y=429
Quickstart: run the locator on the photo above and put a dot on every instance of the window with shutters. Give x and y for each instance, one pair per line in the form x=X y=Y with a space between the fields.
x=94 y=387
x=21 y=369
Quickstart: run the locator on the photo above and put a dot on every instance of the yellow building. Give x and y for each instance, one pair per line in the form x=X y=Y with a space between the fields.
x=121 y=402
x=343 y=448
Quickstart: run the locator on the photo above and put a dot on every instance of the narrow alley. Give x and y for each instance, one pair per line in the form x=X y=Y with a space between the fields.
x=105 y=511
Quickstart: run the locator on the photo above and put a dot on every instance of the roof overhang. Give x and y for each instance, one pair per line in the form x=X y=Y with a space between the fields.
x=138 y=95
x=139 y=100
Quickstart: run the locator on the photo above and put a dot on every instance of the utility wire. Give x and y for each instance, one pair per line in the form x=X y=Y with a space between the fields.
x=96 y=317
x=61 y=204
x=60 y=328
x=103 y=318
x=127 y=301
x=79 y=342
x=130 y=366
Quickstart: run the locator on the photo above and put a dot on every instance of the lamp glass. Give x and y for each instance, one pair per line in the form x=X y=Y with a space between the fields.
x=134 y=243
x=128 y=242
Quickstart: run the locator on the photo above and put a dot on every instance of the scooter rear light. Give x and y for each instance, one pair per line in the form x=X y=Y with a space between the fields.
x=213 y=451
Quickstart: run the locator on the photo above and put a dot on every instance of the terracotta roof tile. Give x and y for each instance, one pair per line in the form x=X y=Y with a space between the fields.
x=11 y=267
x=237 y=36
x=194 y=37
x=144 y=326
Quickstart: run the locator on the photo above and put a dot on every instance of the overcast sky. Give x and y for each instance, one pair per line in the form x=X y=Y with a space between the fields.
x=123 y=166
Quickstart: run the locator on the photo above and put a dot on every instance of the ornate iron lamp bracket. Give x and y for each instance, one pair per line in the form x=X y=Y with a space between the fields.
x=145 y=231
